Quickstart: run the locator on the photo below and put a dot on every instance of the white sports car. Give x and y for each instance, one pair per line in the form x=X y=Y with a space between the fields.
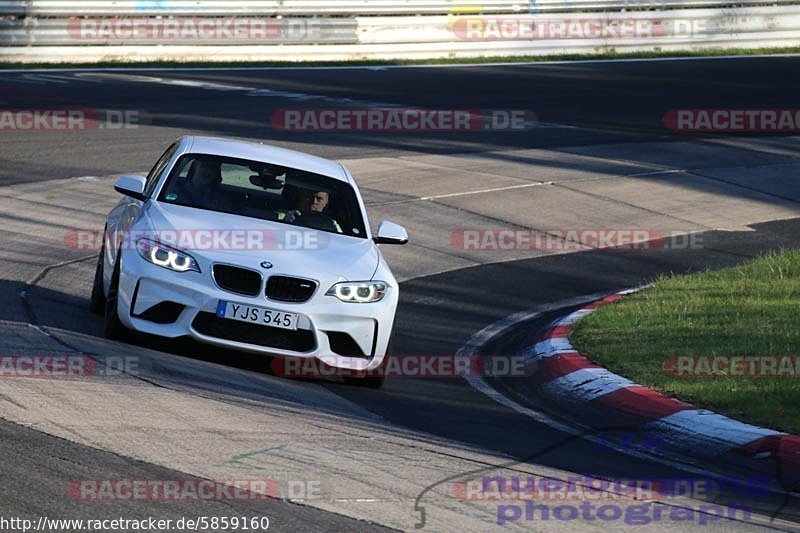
x=250 y=247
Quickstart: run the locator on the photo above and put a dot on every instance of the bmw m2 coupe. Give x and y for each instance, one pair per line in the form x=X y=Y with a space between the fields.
x=250 y=247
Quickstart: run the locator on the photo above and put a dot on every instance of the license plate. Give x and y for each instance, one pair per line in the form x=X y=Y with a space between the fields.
x=257 y=315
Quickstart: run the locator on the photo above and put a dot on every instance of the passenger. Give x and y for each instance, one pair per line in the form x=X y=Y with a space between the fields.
x=201 y=188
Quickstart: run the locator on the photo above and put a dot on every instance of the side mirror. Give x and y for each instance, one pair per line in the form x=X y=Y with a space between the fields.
x=391 y=233
x=132 y=186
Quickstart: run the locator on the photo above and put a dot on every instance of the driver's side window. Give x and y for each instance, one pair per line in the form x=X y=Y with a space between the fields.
x=158 y=169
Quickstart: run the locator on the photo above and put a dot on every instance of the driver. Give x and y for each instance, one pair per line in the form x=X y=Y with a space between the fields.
x=309 y=201
x=315 y=201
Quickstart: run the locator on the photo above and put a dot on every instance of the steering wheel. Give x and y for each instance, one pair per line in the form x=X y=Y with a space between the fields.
x=314 y=220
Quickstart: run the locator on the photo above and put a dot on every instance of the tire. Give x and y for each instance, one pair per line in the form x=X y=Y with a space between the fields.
x=375 y=378
x=113 y=328
x=97 y=303
x=369 y=382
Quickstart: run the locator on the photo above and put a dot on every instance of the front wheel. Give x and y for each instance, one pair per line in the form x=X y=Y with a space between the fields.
x=374 y=378
x=97 y=303
x=113 y=328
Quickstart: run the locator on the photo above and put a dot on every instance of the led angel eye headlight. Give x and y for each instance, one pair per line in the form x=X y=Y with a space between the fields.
x=165 y=256
x=358 y=291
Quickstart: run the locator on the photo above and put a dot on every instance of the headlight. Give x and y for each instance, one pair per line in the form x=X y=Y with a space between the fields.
x=166 y=256
x=358 y=291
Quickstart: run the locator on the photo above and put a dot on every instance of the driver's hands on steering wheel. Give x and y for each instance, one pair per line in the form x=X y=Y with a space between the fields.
x=311 y=219
x=292 y=215
x=317 y=220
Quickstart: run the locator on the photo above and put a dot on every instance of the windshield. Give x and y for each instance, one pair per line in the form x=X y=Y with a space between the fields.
x=264 y=191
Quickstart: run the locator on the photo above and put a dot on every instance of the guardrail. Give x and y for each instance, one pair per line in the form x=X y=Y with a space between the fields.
x=110 y=31
x=231 y=38
x=257 y=7
x=323 y=8
x=656 y=28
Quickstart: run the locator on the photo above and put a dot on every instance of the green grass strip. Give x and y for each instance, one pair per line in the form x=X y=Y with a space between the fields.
x=752 y=309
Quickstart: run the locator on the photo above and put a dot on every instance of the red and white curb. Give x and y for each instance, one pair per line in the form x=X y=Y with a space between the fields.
x=602 y=399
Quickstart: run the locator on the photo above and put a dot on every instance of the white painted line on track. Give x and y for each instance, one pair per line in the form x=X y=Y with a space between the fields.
x=657 y=173
x=34 y=326
x=47 y=79
x=482 y=191
x=379 y=68
x=552 y=125
x=68 y=79
x=246 y=90
x=481 y=385
x=483 y=336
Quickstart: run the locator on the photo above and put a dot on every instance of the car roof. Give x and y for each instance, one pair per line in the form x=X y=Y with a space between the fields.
x=264 y=153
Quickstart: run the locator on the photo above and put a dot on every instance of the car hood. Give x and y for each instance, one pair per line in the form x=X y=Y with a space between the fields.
x=232 y=239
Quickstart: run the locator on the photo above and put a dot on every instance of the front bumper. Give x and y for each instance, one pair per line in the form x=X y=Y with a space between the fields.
x=143 y=285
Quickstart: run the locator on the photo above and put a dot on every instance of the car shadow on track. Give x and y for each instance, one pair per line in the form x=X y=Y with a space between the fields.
x=48 y=307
